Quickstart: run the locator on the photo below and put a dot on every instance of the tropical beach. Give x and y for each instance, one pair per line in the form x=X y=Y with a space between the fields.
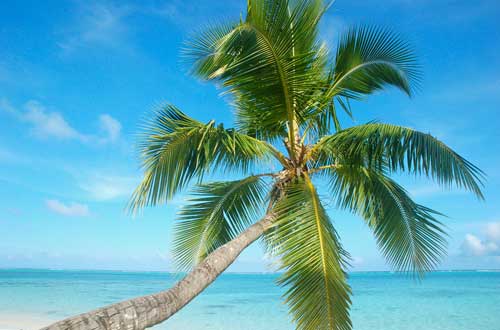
x=445 y=300
x=310 y=165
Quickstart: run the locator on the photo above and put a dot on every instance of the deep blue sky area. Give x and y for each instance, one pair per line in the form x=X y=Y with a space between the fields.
x=77 y=78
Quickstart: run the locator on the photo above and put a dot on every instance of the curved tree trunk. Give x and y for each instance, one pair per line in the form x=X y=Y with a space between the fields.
x=147 y=311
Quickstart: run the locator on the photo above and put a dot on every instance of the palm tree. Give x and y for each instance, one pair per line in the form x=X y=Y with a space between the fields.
x=286 y=90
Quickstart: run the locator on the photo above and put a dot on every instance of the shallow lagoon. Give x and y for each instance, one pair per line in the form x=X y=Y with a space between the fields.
x=382 y=300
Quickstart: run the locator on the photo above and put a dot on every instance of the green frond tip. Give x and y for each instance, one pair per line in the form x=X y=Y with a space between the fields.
x=369 y=58
x=216 y=214
x=408 y=234
x=399 y=148
x=175 y=148
x=312 y=260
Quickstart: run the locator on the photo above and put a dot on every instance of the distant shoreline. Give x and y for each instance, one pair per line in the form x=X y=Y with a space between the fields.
x=233 y=273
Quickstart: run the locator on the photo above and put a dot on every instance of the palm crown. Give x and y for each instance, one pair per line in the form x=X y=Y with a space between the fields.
x=286 y=89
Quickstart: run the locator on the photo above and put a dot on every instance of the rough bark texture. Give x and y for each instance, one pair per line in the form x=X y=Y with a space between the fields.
x=143 y=312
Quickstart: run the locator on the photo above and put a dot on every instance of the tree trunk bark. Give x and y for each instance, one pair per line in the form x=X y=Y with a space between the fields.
x=147 y=311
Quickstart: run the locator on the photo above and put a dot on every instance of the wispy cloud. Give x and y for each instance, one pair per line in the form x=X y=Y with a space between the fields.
x=169 y=10
x=8 y=156
x=110 y=25
x=425 y=191
x=469 y=90
x=46 y=123
x=111 y=127
x=6 y=107
x=187 y=13
x=96 y=24
x=492 y=231
x=331 y=27
x=107 y=186
x=455 y=12
x=15 y=211
x=70 y=210
x=357 y=262
x=473 y=246
x=444 y=12
x=453 y=98
x=432 y=190
x=4 y=73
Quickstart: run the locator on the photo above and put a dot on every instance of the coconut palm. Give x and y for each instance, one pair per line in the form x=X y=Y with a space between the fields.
x=286 y=90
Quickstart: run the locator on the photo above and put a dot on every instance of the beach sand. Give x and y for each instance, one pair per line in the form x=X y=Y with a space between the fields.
x=23 y=321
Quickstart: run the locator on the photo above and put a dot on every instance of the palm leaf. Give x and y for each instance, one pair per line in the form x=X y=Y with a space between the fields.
x=409 y=235
x=269 y=63
x=369 y=58
x=176 y=148
x=398 y=148
x=217 y=213
x=312 y=259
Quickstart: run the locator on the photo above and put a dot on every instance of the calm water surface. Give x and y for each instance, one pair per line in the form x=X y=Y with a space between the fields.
x=382 y=301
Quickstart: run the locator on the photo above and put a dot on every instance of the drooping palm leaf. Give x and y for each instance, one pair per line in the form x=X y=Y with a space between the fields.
x=409 y=235
x=312 y=259
x=176 y=148
x=399 y=149
x=217 y=213
x=369 y=58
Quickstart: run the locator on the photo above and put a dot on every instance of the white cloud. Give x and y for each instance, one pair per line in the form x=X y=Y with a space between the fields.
x=164 y=257
x=357 y=261
x=474 y=246
x=8 y=156
x=6 y=107
x=110 y=126
x=492 y=231
x=52 y=124
x=432 y=190
x=70 y=210
x=168 y=10
x=424 y=191
x=49 y=124
x=187 y=13
x=107 y=187
x=468 y=91
x=97 y=24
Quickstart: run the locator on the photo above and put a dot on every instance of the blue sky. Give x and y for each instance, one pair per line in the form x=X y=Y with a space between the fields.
x=77 y=77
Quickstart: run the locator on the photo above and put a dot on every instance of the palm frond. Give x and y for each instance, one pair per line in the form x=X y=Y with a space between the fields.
x=312 y=259
x=269 y=63
x=367 y=59
x=398 y=148
x=408 y=234
x=217 y=213
x=370 y=58
x=176 y=148
x=207 y=53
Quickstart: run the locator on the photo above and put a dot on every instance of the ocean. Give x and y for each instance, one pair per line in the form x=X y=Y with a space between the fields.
x=456 y=300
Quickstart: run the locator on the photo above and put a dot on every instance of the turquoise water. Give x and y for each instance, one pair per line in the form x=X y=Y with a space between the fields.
x=385 y=301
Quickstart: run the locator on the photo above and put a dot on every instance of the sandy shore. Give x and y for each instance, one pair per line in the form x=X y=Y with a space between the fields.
x=22 y=321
